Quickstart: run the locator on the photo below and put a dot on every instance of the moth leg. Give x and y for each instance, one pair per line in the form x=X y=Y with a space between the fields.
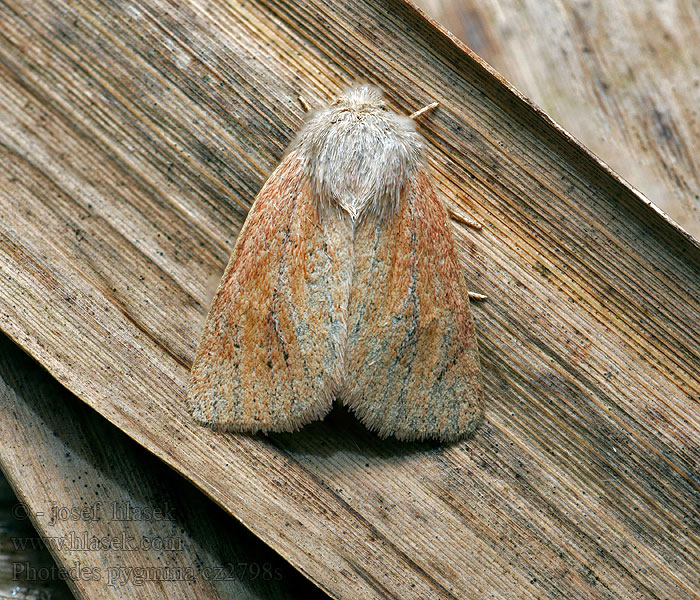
x=475 y=296
x=424 y=110
x=464 y=218
x=304 y=104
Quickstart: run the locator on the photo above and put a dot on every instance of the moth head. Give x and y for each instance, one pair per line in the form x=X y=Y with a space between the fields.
x=362 y=106
x=361 y=99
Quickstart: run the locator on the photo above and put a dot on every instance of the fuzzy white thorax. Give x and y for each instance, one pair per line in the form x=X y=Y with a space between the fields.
x=358 y=154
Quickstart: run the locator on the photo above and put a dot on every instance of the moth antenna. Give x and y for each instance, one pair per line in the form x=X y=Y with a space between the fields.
x=424 y=110
x=475 y=296
x=465 y=219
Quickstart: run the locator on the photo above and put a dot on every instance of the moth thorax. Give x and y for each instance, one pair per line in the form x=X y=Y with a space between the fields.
x=360 y=167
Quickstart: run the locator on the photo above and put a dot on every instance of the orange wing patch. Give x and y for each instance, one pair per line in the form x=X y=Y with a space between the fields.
x=412 y=365
x=270 y=356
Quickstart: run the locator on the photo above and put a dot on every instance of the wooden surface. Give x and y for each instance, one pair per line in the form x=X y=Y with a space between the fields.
x=135 y=528
x=623 y=77
x=134 y=139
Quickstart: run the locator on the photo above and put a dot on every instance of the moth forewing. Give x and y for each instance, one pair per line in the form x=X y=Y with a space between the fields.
x=271 y=351
x=409 y=318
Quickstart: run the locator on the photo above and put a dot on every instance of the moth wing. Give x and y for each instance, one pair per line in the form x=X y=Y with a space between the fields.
x=412 y=365
x=270 y=356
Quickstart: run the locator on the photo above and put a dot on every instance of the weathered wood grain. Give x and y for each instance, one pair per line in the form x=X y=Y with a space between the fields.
x=134 y=137
x=135 y=528
x=623 y=77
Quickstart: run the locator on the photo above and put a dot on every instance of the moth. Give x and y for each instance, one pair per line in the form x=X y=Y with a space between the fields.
x=344 y=283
